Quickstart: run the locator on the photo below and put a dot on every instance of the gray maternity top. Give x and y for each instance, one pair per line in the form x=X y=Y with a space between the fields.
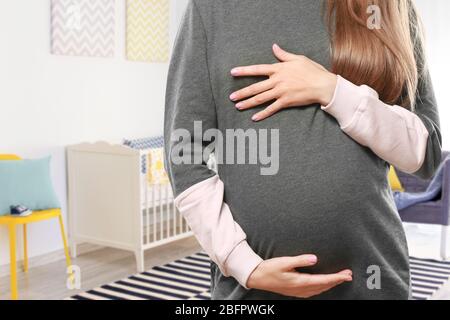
x=331 y=196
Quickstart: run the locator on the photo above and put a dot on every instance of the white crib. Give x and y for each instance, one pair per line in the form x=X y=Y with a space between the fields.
x=111 y=202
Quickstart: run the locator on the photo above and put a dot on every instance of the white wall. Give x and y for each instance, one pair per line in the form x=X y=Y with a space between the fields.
x=437 y=26
x=48 y=102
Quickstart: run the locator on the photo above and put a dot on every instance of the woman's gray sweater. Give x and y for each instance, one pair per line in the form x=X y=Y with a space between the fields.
x=330 y=196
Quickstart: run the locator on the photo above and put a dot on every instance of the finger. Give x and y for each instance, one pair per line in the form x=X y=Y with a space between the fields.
x=255 y=70
x=252 y=90
x=321 y=289
x=346 y=271
x=305 y=260
x=317 y=284
x=331 y=286
x=326 y=279
x=257 y=100
x=283 y=55
x=269 y=111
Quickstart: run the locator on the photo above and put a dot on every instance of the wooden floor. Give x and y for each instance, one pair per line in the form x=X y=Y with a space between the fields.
x=109 y=265
x=99 y=267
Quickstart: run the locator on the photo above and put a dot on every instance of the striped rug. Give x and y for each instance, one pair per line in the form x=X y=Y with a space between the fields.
x=189 y=279
x=428 y=276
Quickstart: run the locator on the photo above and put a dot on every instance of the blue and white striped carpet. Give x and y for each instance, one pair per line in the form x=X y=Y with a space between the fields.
x=428 y=276
x=189 y=279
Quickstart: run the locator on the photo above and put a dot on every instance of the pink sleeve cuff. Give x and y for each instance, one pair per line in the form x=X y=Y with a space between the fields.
x=392 y=132
x=241 y=262
x=213 y=225
x=346 y=101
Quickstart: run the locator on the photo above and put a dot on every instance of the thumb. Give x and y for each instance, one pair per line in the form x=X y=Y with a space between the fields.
x=305 y=260
x=283 y=55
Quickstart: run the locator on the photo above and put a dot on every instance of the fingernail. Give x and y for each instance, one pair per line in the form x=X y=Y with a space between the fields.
x=275 y=45
x=348 y=272
x=312 y=259
x=239 y=105
x=234 y=71
x=233 y=96
x=255 y=117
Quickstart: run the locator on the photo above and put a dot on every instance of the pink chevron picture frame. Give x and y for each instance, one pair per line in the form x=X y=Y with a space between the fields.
x=83 y=28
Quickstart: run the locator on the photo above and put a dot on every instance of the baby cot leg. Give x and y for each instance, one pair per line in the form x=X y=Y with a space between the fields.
x=139 y=260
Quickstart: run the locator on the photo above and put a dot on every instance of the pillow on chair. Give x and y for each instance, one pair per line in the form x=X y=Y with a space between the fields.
x=26 y=182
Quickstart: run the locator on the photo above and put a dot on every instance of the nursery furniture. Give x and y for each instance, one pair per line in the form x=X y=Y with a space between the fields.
x=12 y=223
x=432 y=212
x=113 y=204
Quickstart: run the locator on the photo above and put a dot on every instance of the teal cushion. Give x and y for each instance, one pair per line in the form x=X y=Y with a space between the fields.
x=26 y=182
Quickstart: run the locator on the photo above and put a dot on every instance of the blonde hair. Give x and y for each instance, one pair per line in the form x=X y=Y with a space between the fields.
x=390 y=59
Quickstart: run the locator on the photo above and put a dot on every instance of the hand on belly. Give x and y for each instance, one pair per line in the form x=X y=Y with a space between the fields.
x=279 y=275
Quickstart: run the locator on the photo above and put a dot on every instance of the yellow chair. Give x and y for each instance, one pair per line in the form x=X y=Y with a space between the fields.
x=12 y=222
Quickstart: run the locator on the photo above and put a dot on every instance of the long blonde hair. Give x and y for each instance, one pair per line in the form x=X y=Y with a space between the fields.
x=390 y=58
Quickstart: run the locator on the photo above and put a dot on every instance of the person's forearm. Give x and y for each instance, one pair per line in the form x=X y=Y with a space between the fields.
x=393 y=133
x=214 y=227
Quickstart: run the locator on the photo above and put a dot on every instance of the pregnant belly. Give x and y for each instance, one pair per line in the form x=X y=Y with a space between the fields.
x=335 y=206
x=330 y=198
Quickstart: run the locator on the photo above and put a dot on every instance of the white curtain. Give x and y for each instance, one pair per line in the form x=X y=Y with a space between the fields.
x=437 y=26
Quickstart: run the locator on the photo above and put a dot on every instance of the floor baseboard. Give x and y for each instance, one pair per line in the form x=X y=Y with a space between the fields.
x=49 y=258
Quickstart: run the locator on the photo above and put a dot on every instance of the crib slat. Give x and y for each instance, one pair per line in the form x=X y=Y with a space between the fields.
x=167 y=212
x=161 y=220
x=174 y=215
x=154 y=212
x=147 y=211
x=160 y=197
x=181 y=221
x=174 y=212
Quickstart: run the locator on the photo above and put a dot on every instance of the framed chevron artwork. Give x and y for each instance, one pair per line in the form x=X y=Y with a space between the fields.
x=83 y=27
x=148 y=30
